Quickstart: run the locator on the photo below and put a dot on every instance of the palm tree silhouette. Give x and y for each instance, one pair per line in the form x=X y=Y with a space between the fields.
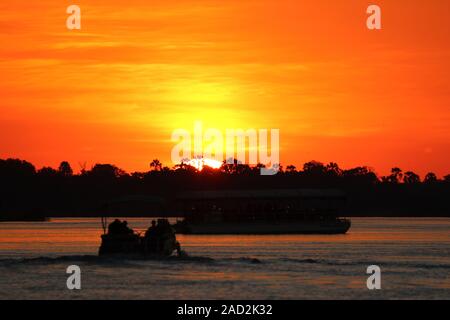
x=156 y=165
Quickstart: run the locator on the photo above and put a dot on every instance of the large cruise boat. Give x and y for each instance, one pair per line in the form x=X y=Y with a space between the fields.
x=299 y=211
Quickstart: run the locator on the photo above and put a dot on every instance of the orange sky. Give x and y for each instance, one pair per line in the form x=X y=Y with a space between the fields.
x=114 y=91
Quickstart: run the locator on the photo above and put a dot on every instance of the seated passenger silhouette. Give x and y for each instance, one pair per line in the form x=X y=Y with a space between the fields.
x=126 y=229
x=114 y=227
x=151 y=238
x=118 y=227
x=151 y=230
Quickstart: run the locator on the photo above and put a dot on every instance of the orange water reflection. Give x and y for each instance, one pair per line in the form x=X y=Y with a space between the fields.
x=85 y=233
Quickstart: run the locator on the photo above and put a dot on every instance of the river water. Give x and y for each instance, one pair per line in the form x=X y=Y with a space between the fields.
x=413 y=254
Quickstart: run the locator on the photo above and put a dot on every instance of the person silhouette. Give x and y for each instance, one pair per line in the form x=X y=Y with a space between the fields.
x=114 y=227
x=151 y=238
x=125 y=228
x=151 y=229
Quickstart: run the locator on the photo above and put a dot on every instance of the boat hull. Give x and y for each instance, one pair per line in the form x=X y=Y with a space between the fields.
x=136 y=246
x=267 y=228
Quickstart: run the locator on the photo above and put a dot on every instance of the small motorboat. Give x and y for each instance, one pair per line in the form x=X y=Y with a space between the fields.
x=159 y=241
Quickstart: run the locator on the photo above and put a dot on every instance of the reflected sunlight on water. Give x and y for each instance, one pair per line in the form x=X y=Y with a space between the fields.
x=414 y=255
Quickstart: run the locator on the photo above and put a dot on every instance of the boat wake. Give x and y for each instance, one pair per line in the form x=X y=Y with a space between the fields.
x=94 y=259
x=124 y=261
x=120 y=260
x=359 y=262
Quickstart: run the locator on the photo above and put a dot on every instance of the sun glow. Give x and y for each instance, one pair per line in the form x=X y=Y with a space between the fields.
x=214 y=103
x=200 y=163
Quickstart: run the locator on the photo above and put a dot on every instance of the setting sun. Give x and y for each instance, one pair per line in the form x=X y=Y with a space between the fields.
x=199 y=164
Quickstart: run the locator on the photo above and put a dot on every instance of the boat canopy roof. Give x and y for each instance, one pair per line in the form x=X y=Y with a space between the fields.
x=261 y=194
x=137 y=198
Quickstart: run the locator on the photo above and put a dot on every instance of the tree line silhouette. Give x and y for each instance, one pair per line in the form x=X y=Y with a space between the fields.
x=26 y=190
